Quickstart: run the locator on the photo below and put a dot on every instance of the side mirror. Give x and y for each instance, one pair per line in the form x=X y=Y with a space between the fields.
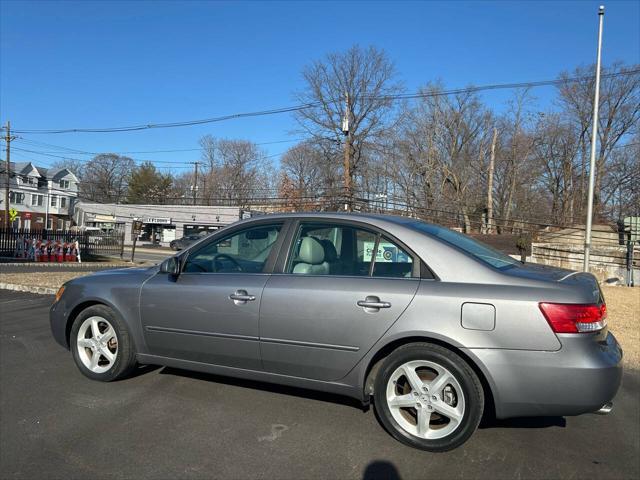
x=171 y=266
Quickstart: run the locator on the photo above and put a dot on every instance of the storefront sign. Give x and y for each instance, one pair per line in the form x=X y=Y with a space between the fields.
x=157 y=220
x=102 y=218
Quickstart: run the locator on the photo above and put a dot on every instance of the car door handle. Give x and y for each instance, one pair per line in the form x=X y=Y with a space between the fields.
x=241 y=296
x=373 y=302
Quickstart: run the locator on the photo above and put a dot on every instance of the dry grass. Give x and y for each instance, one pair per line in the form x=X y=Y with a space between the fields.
x=623 y=305
x=41 y=279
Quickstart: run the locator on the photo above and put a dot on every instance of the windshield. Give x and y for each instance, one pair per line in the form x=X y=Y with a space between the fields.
x=479 y=250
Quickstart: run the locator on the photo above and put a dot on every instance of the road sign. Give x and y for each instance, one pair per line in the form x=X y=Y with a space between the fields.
x=136 y=227
x=13 y=214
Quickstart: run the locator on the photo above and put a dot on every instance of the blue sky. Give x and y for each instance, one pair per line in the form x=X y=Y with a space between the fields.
x=112 y=63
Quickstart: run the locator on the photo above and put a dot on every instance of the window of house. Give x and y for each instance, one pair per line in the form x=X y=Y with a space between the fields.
x=63 y=202
x=245 y=251
x=60 y=224
x=49 y=223
x=54 y=200
x=17 y=198
x=326 y=249
x=36 y=200
x=64 y=183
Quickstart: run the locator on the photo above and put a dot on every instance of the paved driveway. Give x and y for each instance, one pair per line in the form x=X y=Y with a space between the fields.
x=167 y=423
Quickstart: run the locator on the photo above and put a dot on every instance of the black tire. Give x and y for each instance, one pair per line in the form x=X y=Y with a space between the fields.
x=464 y=375
x=125 y=360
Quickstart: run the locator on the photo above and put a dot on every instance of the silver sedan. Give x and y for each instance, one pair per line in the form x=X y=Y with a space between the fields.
x=432 y=327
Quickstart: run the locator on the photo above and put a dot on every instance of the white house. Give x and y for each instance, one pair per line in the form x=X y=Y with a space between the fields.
x=42 y=196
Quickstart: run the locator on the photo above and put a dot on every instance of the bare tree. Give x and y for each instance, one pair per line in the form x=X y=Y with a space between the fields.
x=368 y=77
x=619 y=114
x=236 y=172
x=302 y=164
x=554 y=157
x=105 y=178
x=621 y=182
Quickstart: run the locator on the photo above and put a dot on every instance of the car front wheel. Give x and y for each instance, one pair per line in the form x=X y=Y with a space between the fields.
x=100 y=344
x=428 y=397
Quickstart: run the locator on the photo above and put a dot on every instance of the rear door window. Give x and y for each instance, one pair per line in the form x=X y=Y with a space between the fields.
x=346 y=250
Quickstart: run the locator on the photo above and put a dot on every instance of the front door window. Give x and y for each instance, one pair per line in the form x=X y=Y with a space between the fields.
x=246 y=251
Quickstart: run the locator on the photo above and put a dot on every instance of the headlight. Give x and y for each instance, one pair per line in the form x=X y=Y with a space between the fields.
x=59 y=293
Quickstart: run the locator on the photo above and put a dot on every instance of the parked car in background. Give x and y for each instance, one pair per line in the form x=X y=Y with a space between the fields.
x=187 y=240
x=433 y=327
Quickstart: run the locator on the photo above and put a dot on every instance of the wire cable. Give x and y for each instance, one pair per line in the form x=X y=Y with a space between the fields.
x=306 y=106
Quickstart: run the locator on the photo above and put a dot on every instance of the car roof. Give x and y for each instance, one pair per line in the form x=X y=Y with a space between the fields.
x=397 y=219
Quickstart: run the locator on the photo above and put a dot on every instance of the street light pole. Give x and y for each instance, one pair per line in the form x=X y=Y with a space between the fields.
x=594 y=137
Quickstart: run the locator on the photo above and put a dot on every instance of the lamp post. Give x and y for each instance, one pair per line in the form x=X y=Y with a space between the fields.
x=594 y=138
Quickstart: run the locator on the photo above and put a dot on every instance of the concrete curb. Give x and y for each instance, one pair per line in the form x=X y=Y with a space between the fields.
x=26 y=288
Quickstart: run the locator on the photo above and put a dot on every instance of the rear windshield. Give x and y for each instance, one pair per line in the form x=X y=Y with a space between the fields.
x=479 y=250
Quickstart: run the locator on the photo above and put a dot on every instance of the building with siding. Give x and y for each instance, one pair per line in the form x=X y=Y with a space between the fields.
x=43 y=197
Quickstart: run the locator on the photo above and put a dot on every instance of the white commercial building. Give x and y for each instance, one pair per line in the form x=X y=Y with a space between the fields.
x=161 y=223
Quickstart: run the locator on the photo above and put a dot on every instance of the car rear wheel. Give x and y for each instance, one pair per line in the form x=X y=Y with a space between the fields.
x=428 y=397
x=101 y=345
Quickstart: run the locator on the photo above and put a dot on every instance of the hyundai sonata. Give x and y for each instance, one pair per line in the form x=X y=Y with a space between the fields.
x=431 y=326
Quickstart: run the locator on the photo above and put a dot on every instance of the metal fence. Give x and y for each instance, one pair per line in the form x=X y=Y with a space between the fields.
x=92 y=244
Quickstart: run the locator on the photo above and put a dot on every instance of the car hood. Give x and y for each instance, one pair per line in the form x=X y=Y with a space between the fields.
x=117 y=274
x=125 y=271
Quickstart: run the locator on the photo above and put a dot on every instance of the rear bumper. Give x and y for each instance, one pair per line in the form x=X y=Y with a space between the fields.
x=579 y=378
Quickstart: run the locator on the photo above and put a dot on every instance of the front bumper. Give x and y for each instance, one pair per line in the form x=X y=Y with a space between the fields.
x=579 y=378
x=58 y=321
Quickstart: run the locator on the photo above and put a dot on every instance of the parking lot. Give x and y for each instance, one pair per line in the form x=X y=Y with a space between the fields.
x=168 y=423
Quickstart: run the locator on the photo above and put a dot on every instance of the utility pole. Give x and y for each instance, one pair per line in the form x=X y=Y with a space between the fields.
x=346 y=129
x=492 y=160
x=195 y=183
x=594 y=138
x=7 y=139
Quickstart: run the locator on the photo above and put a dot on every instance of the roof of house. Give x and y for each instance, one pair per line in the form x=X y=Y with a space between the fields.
x=26 y=167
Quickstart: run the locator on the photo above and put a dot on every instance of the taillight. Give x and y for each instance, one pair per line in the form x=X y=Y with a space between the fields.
x=575 y=318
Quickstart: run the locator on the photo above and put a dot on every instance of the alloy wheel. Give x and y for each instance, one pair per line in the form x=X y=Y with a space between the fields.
x=97 y=344
x=425 y=399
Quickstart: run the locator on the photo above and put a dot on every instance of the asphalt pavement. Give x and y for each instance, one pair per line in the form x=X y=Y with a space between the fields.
x=169 y=423
x=148 y=255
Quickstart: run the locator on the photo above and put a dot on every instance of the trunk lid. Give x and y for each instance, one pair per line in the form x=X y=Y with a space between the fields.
x=583 y=282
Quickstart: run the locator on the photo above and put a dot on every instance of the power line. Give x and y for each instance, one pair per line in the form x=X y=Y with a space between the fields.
x=305 y=106
x=541 y=83
x=178 y=164
x=84 y=152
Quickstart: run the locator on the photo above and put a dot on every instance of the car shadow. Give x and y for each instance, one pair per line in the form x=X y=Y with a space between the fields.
x=523 y=422
x=267 y=387
x=488 y=421
x=143 y=370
